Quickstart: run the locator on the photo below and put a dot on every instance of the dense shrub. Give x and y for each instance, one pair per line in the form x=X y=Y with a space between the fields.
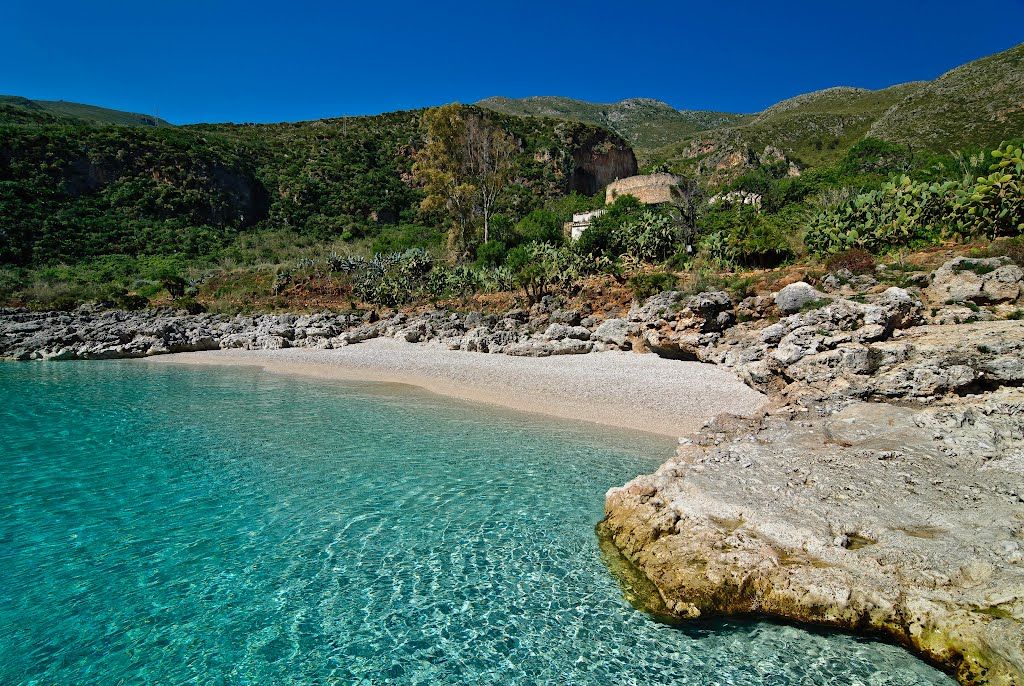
x=539 y=267
x=539 y=226
x=902 y=213
x=742 y=235
x=632 y=229
x=908 y=213
x=855 y=260
x=491 y=254
x=646 y=285
x=404 y=237
x=874 y=155
x=995 y=205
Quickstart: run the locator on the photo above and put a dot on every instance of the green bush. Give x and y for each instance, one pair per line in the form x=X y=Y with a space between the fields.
x=906 y=213
x=903 y=213
x=539 y=226
x=539 y=267
x=404 y=237
x=995 y=205
x=631 y=228
x=491 y=254
x=646 y=285
x=190 y=305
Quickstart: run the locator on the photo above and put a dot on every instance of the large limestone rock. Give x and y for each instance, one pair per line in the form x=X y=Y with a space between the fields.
x=796 y=295
x=864 y=516
x=981 y=281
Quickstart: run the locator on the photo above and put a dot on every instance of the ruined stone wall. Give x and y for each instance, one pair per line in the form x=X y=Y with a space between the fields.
x=649 y=189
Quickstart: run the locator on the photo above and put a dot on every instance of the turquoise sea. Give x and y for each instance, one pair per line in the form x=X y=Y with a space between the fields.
x=173 y=525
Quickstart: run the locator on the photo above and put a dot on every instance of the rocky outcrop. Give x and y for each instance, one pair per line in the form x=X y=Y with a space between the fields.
x=93 y=333
x=870 y=517
x=598 y=159
x=831 y=509
x=980 y=281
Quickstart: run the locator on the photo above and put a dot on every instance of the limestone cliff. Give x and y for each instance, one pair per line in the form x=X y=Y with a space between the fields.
x=599 y=158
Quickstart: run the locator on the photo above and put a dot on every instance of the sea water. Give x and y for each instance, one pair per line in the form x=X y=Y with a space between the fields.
x=170 y=525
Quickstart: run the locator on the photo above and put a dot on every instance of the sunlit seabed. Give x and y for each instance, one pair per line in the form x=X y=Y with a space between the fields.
x=228 y=526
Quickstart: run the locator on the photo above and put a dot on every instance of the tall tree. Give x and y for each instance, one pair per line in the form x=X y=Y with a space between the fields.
x=442 y=166
x=492 y=156
x=465 y=165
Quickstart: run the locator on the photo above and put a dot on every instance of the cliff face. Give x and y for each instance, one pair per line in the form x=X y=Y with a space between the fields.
x=233 y=195
x=598 y=159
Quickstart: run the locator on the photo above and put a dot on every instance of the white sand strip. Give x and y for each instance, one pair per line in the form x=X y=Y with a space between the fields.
x=619 y=389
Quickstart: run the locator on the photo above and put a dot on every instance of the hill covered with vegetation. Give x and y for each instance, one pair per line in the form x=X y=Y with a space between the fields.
x=16 y=109
x=647 y=124
x=974 y=105
x=456 y=200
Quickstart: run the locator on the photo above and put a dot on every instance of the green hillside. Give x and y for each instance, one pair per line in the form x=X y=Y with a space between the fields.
x=70 y=190
x=16 y=109
x=645 y=123
x=811 y=129
x=975 y=104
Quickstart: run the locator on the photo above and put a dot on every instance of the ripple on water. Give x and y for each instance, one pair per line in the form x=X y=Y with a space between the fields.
x=173 y=525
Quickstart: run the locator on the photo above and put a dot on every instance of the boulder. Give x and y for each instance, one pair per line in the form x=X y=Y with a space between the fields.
x=979 y=280
x=794 y=296
x=614 y=331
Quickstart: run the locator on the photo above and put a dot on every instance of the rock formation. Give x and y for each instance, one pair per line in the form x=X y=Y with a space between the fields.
x=902 y=519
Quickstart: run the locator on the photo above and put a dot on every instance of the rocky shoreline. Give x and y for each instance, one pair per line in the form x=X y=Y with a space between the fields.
x=882 y=488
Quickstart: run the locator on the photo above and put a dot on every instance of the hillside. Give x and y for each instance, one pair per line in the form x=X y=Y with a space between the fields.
x=70 y=190
x=16 y=109
x=972 y=105
x=811 y=129
x=975 y=105
x=647 y=124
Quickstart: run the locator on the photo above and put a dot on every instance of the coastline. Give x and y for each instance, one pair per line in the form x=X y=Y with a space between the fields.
x=638 y=392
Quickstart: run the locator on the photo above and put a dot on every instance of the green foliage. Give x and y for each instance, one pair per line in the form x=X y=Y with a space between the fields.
x=903 y=213
x=539 y=226
x=744 y=236
x=539 y=267
x=190 y=305
x=906 y=213
x=632 y=229
x=814 y=304
x=995 y=205
x=491 y=254
x=402 y=237
x=872 y=155
x=646 y=285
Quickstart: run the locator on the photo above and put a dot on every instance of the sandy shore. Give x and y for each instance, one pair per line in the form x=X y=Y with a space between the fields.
x=619 y=389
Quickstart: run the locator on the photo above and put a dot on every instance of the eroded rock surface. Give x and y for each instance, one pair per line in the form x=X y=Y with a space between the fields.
x=841 y=506
x=908 y=521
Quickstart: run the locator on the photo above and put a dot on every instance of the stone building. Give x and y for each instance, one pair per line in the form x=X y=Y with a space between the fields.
x=650 y=189
x=580 y=222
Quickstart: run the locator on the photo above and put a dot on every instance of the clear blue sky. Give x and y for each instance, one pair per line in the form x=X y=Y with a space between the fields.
x=204 y=60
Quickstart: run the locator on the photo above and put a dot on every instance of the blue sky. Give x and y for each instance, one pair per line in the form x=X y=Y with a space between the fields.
x=190 y=60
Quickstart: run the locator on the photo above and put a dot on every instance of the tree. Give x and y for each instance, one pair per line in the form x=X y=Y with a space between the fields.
x=492 y=154
x=442 y=166
x=465 y=165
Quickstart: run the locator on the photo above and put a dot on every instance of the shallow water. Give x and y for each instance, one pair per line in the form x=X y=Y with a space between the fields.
x=227 y=526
